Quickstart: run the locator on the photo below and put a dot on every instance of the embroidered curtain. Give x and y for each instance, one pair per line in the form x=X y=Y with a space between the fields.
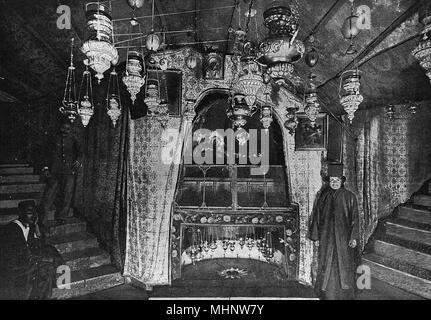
x=152 y=183
x=303 y=171
x=376 y=167
x=100 y=190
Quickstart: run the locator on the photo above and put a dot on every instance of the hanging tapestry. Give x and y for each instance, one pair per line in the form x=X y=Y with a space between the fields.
x=152 y=183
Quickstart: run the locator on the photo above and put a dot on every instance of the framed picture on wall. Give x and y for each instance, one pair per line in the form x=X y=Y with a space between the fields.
x=170 y=86
x=310 y=137
x=213 y=66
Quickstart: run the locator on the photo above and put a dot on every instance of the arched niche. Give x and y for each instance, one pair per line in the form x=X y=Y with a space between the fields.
x=219 y=203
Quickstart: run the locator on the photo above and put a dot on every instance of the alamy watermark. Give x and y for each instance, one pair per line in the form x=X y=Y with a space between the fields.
x=206 y=147
x=64 y=21
x=363 y=282
x=63 y=277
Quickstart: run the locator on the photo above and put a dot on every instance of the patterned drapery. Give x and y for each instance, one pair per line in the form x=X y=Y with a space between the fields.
x=368 y=178
x=376 y=167
x=152 y=184
x=305 y=180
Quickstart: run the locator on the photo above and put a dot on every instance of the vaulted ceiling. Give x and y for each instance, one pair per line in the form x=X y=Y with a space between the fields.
x=34 y=53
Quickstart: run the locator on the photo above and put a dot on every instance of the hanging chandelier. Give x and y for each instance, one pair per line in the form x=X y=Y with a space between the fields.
x=266 y=116
x=311 y=101
x=350 y=28
x=266 y=112
x=133 y=79
x=349 y=92
x=239 y=111
x=153 y=40
x=280 y=50
x=85 y=101
x=69 y=102
x=152 y=96
x=249 y=74
x=249 y=79
x=292 y=120
x=113 y=100
x=99 y=49
x=423 y=50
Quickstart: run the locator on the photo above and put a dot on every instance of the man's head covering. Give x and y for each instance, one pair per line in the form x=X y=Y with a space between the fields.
x=335 y=170
x=27 y=207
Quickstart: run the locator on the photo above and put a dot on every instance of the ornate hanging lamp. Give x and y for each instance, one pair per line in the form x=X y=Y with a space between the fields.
x=249 y=74
x=152 y=96
x=113 y=99
x=280 y=50
x=99 y=47
x=350 y=80
x=250 y=77
x=350 y=28
x=311 y=101
x=239 y=112
x=349 y=92
x=423 y=50
x=153 y=40
x=266 y=111
x=85 y=101
x=132 y=78
x=312 y=56
x=69 y=102
x=292 y=120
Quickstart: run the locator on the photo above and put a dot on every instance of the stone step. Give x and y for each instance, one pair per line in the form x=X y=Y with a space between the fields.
x=411 y=224
x=22 y=188
x=16 y=170
x=411 y=233
x=87 y=258
x=397 y=278
x=415 y=214
x=73 y=242
x=422 y=200
x=7 y=215
x=13 y=203
x=72 y=225
x=24 y=178
x=412 y=245
x=13 y=165
x=18 y=196
x=397 y=252
x=91 y=280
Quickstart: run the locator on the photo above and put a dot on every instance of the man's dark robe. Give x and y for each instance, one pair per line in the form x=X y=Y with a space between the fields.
x=334 y=222
x=27 y=268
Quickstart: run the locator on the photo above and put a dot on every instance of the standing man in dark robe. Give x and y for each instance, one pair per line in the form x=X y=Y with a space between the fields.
x=335 y=229
x=66 y=160
x=27 y=265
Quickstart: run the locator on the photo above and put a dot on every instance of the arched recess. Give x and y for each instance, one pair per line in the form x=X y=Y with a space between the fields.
x=217 y=205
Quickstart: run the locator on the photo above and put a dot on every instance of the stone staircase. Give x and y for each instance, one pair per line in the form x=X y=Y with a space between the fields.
x=17 y=183
x=399 y=252
x=90 y=266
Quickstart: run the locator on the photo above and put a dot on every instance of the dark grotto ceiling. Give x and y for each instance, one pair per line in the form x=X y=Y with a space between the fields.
x=34 y=53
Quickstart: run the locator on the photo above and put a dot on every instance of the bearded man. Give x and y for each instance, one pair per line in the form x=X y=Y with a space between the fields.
x=334 y=228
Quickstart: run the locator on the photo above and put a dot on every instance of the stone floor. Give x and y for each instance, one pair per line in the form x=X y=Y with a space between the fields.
x=255 y=280
x=379 y=291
